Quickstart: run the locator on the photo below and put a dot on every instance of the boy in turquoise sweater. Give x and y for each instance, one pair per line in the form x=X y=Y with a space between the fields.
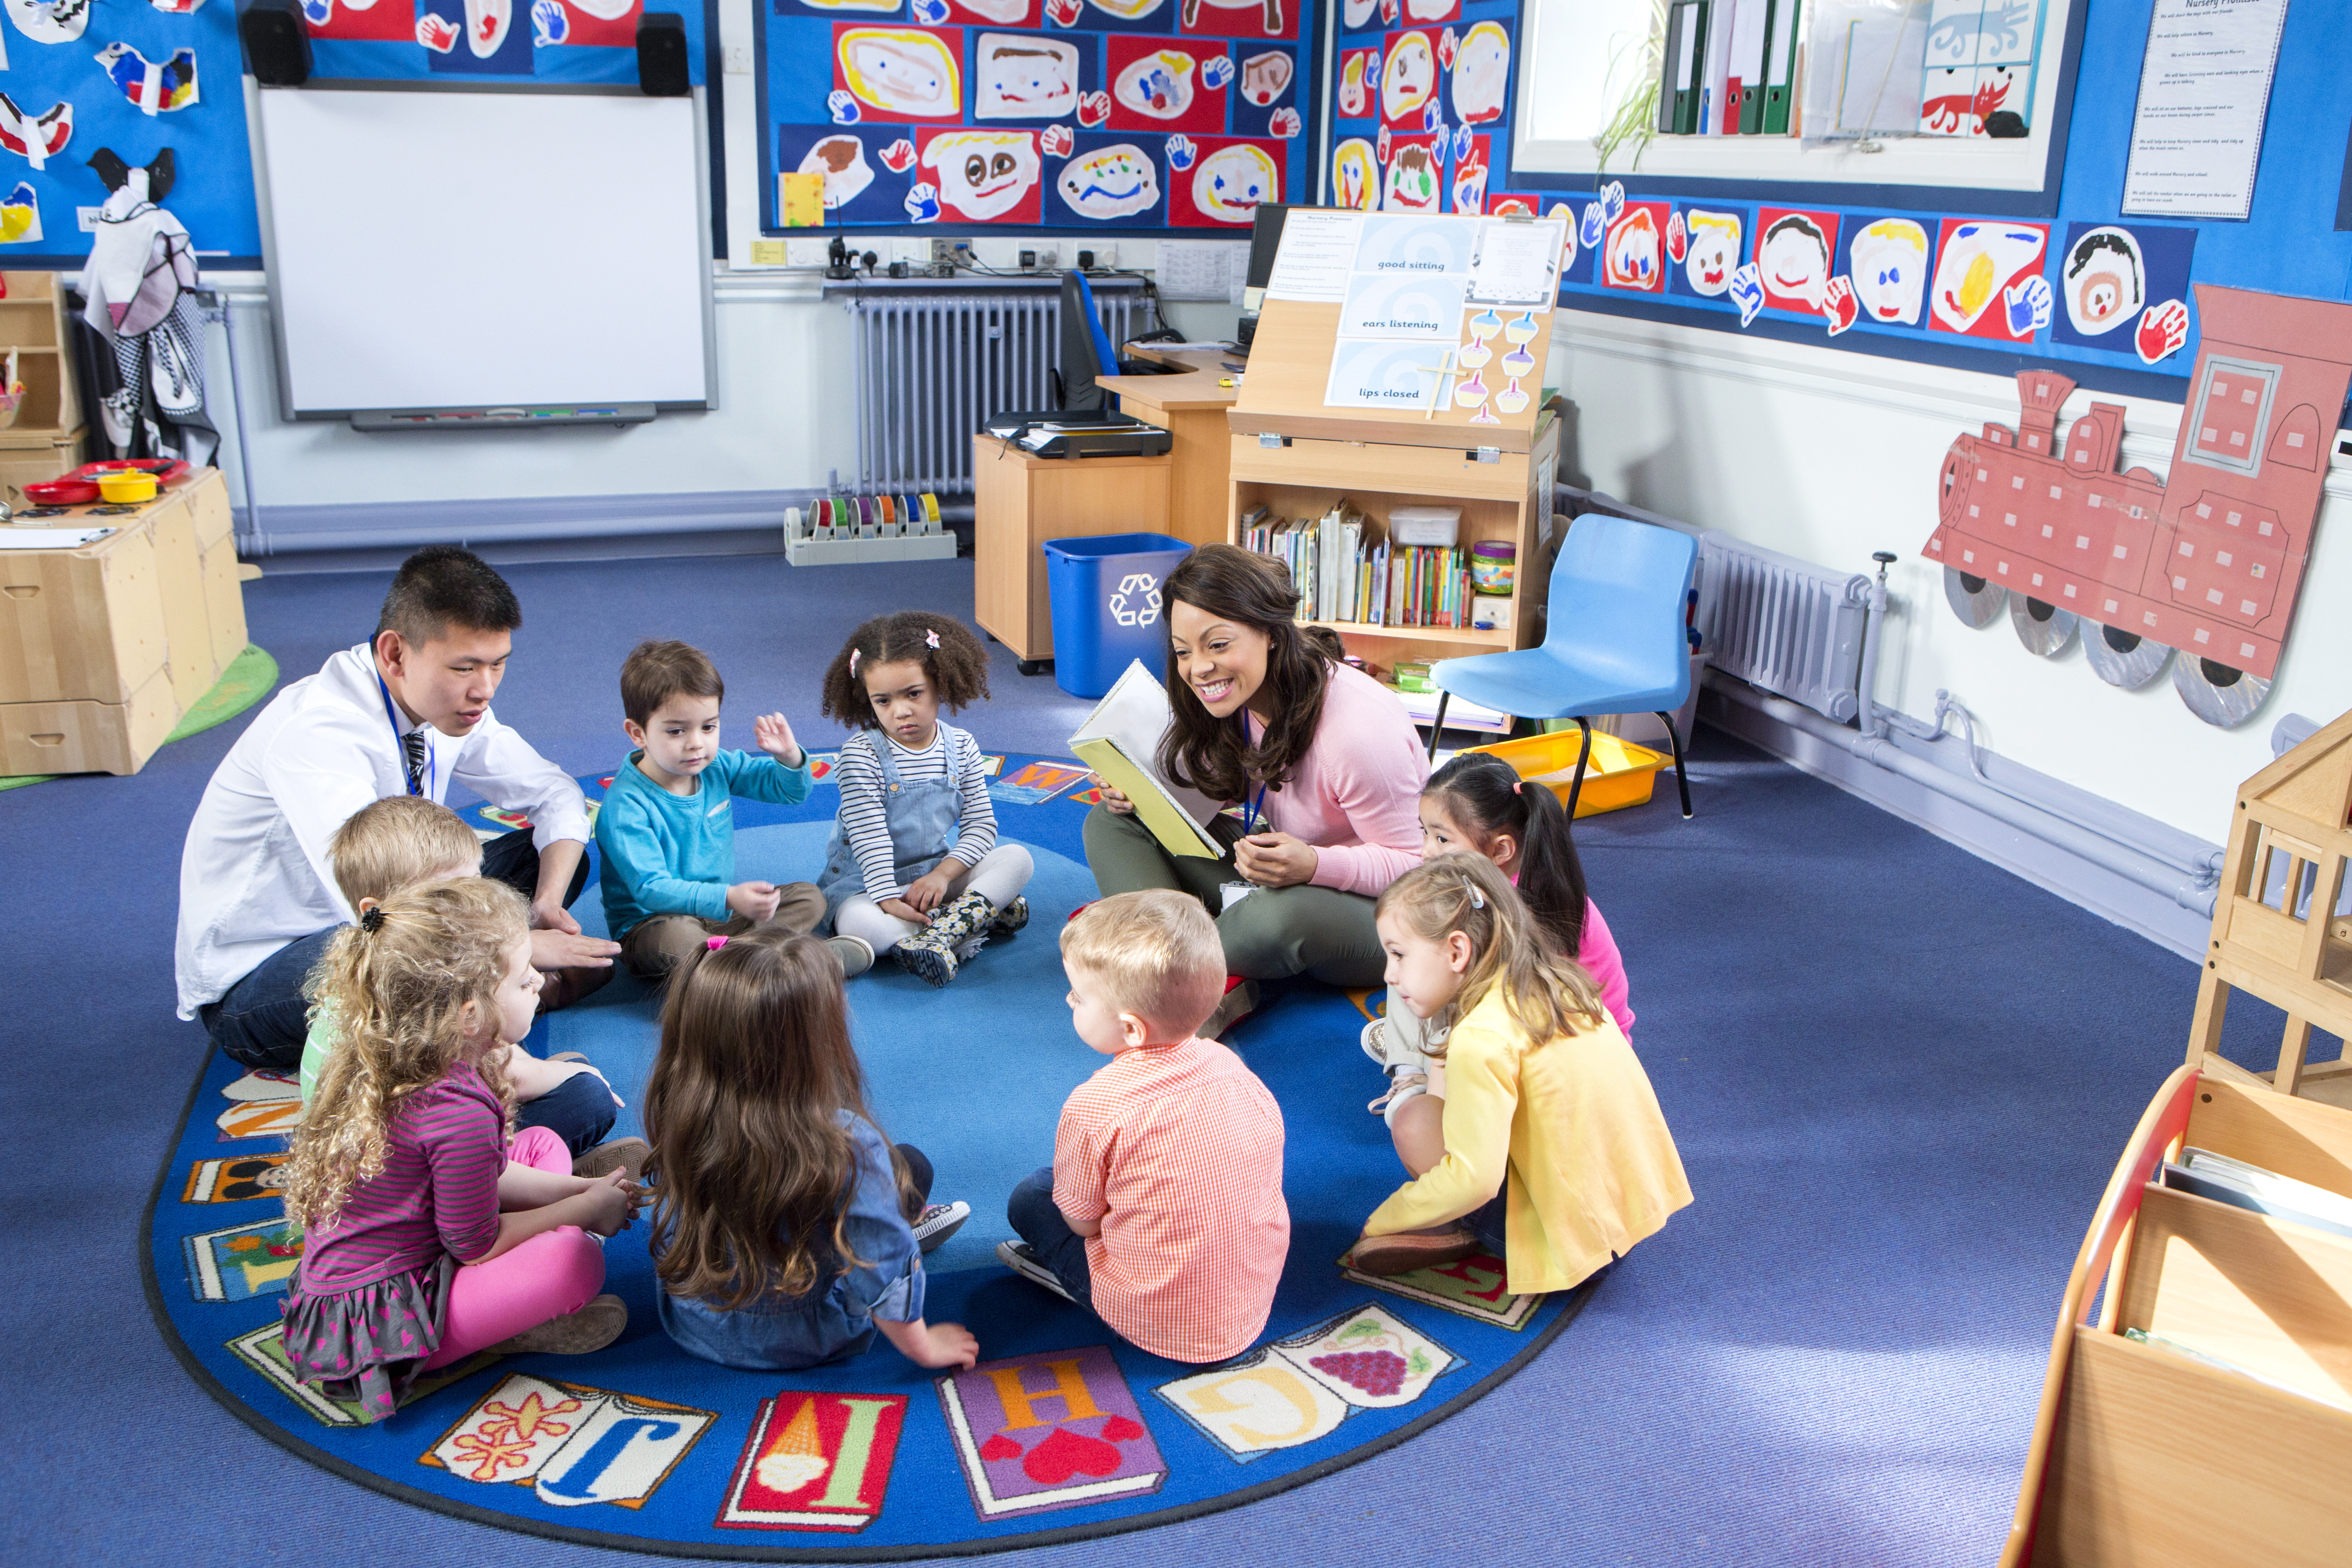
x=666 y=830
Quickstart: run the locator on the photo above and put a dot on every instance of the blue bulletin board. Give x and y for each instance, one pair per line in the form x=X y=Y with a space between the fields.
x=204 y=123
x=2072 y=279
x=1060 y=116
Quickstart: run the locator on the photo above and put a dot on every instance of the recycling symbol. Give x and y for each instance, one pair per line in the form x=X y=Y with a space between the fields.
x=1137 y=601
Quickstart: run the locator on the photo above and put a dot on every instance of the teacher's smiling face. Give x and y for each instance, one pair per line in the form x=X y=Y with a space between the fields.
x=1222 y=662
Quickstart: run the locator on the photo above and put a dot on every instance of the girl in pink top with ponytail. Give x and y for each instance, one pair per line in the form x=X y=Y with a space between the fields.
x=1478 y=805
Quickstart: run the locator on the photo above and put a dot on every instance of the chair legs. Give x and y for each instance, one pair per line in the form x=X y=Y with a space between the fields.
x=1576 y=785
x=1437 y=725
x=1677 y=743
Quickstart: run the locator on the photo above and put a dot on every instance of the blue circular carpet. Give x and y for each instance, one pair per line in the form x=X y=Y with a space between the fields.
x=1062 y=1432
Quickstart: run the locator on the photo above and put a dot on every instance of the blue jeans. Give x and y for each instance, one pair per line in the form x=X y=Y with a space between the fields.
x=579 y=1111
x=261 y=1020
x=1038 y=1221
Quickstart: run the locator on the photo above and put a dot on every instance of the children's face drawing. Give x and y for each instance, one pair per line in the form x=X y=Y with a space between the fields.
x=1026 y=78
x=1482 y=70
x=1232 y=181
x=1796 y=261
x=2105 y=285
x=1714 y=251
x=982 y=174
x=905 y=703
x=1158 y=85
x=1264 y=76
x=1355 y=176
x=1117 y=182
x=842 y=161
x=1635 y=252
x=1412 y=182
x=901 y=71
x=1408 y=76
x=1890 y=269
x=1470 y=187
x=1979 y=260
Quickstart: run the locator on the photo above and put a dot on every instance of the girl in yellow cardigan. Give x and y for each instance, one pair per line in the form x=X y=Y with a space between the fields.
x=1557 y=1158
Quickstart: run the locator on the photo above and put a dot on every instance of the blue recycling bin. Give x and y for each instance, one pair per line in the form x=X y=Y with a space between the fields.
x=1107 y=606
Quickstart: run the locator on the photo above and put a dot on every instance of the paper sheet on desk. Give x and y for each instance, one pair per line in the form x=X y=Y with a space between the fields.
x=51 y=538
x=1121 y=741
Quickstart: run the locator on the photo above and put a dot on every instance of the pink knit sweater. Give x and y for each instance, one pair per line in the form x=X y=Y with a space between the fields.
x=1355 y=794
x=1599 y=956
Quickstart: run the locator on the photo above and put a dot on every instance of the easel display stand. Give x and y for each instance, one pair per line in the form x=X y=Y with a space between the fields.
x=2276 y=931
x=1299 y=459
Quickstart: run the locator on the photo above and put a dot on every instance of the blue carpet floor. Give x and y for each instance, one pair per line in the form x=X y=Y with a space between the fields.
x=1898 y=1076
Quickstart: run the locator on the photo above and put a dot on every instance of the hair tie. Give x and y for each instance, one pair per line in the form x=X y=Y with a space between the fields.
x=931 y=638
x=715 y=944
x=372 y=919
x=853 y=661
x=1515 y=784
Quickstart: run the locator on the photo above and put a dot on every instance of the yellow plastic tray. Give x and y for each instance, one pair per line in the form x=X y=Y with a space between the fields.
x=1620 y=774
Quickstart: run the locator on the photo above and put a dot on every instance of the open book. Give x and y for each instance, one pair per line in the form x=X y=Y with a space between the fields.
x=1121 y=741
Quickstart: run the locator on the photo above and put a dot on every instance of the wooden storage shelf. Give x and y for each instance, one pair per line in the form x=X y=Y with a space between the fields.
x=33 y=323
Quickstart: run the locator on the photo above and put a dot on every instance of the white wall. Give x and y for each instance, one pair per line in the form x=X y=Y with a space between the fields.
x=1830 y=456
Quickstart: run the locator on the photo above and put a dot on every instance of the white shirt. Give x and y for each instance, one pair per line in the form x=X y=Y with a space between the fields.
x=255 y=874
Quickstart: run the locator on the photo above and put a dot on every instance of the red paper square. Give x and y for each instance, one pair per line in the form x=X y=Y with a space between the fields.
x=1411 y=79
x=1240 y=18
x=1977 y=261
x=1232 y=178
x=385 y=21
x=1004 y=155
x=1156 y=84
x=1634 y=251
x=619 y=33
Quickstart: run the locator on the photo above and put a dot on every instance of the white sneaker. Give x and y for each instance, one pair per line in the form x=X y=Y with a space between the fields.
x=853 y=953
x=1022 y=1260
x=1375 y=1043
x=939 y=1222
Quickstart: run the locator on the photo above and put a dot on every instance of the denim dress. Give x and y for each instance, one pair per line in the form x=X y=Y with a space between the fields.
x=835 y=1319
x=925 y=816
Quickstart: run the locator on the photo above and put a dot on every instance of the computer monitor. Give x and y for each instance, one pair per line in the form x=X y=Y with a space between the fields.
x=1265 y=238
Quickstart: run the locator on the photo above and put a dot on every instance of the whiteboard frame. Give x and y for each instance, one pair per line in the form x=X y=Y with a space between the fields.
x=262 y=193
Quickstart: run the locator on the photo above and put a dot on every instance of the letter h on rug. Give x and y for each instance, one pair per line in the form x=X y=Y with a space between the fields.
x=1095 y=1449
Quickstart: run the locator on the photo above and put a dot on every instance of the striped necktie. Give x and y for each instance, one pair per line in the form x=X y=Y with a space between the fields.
x=412 y=746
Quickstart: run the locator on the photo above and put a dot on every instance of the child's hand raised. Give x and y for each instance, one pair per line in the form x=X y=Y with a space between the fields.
x=753 y=900
x=774 y=735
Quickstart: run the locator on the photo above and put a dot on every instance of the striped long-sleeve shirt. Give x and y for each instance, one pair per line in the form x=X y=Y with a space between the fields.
x=444 y=1147
x=953 y=755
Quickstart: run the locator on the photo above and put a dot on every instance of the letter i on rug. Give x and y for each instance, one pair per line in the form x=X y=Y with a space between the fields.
x=815 y=1462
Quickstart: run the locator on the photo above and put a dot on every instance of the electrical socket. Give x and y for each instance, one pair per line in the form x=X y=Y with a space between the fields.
x=945 y=250
x=1105 y=255
x=1049 y=260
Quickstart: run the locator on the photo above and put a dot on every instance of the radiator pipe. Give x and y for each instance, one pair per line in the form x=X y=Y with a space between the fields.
x=2133 y=864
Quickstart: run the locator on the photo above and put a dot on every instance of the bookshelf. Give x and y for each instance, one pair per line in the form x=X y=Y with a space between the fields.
x=44 y=439
x=1299 y=459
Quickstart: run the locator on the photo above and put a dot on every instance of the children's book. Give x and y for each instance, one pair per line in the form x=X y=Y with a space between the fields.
x=2225 y=1180
x=1036 y=782
x=1121 y=741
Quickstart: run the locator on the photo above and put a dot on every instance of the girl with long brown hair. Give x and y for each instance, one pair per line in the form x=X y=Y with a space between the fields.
x=1552 y=1152
x=401 y=1164
x=786 y=1229
x=1320 y=757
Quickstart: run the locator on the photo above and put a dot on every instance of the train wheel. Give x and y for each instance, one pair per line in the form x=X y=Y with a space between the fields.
x=2121 y=657
x=2223 y=697
x=1973 y=599
x=2044 y=628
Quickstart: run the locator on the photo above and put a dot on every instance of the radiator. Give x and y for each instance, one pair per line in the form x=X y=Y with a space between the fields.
x=932 y=368
x=1777 y=621
x=1783 y=624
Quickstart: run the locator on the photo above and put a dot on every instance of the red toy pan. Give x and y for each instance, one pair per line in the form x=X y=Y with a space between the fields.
x=165 y=469
x=61 y=492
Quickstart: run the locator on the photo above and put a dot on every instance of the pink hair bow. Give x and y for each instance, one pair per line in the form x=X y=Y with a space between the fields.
x=715 y=944
x=931 y=638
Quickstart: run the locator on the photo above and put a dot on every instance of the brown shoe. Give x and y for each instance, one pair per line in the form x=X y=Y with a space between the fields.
x=1407 y=1250
x=592 y=1328
x=629 y=1154
x=559 y=988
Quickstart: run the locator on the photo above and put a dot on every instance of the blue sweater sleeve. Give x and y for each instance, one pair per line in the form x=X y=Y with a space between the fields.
x=632 y=844
x=758 y=776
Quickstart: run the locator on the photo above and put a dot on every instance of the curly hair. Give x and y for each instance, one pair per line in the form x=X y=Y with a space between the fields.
x=1212 y=754
x=753 y=1164
x=1546 y=991
x=396 y=995
x=952 y=658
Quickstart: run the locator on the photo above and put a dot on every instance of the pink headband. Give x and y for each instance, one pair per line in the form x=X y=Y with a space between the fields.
x=715 y=944
x=853 y=661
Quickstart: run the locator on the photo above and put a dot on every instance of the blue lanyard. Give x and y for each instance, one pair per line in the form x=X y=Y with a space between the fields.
x=399 y=738
x=1249 y=823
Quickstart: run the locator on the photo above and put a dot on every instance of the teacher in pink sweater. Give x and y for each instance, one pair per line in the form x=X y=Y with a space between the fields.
x=1320 y=757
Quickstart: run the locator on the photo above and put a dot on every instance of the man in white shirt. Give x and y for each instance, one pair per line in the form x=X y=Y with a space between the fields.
x=403 y=714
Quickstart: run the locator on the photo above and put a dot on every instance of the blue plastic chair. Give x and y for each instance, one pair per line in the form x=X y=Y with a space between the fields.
x=1614 y=641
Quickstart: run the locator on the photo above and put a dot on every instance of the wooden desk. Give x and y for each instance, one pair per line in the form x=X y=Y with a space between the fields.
x=1191 y=408
x=1019 y=501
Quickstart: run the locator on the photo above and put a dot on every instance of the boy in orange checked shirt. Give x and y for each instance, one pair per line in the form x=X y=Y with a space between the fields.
x=1162 y=1212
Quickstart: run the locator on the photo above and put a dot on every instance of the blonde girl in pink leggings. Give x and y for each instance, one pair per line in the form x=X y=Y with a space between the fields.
x=426 y=1237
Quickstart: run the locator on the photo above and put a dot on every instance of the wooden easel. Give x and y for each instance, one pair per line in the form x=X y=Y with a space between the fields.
x=1299 y=457
x=2290 y=949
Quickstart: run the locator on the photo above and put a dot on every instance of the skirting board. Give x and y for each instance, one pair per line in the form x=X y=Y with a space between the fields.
x=2048 y=865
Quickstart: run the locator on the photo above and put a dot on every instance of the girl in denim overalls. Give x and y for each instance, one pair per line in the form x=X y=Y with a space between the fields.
x=915 y=867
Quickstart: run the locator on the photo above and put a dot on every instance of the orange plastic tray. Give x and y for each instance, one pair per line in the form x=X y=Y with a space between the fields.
x=1620 y=774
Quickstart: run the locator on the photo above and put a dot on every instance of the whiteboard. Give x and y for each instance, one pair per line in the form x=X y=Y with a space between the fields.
x=435 y=248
